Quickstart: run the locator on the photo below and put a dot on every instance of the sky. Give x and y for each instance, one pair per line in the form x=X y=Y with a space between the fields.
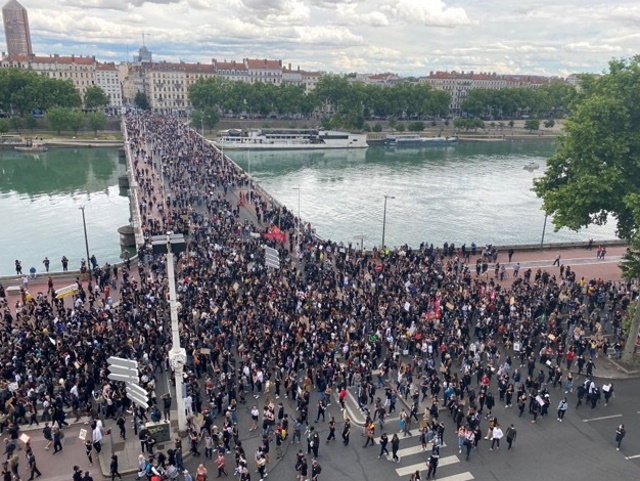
x=407 y=37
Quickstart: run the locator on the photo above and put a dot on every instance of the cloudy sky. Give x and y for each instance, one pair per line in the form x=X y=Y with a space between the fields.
x=409 y=37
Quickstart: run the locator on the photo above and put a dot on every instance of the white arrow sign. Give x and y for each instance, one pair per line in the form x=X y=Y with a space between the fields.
x=133 y=393
x=123 y=378
x=118 y=361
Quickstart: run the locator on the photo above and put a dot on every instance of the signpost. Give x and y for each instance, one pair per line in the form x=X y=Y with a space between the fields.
x=271 y=258
x=126 y=371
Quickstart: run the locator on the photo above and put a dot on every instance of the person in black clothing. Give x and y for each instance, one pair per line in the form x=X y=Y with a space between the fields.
x=346 y=431
x=77 y=473
x=384 y=440
x=122 y=425
x=142 y=436
x=332 y=429
x=114 y=467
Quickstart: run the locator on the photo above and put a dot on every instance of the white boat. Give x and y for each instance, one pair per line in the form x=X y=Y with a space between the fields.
x=289 y=139
x=34 y=148
x=413 y=140
x=531 y=166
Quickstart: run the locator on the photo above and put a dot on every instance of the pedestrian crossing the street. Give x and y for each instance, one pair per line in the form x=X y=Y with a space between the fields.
x=413 y=458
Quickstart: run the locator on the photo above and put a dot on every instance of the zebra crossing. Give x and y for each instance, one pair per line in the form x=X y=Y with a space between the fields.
x=414 y=458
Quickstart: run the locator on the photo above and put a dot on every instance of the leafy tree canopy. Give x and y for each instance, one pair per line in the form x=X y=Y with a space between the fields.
x=595 y=173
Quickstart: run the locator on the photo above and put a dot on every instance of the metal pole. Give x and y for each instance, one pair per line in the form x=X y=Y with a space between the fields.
x=177 y=355
x=544 y=228
x=86 y=241
x=384 y=217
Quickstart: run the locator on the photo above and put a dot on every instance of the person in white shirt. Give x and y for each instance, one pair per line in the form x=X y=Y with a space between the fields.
x=496 y=436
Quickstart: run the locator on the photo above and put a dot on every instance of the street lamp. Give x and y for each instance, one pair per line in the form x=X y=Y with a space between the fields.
x=544 y=228
x=166 y=244
x=86 y=241
x=384 y=216
x=298 y=189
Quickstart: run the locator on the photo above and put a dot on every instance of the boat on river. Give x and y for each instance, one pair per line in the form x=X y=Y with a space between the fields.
x=289 y=139
x=415 y=140
x=531 y=166
x=32 y=149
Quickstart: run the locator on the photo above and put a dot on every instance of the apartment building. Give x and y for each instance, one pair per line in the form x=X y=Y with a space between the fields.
x=108 y=79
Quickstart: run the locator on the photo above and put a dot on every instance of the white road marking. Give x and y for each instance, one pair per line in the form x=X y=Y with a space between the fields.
x=602 y=418
x=633 y=457
x=446 y=461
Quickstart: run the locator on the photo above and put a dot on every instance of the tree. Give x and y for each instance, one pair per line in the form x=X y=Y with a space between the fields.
x=31 y=122
x=97 y=121
x=95 y=98
x=141 y=101
x=76 y=121
x=594 y=175
x=511 y=124
x=16 y=123
x=377 y=127
x=211 y=117
x=58 y=118
x=630 y=267
x=416 y=126
x=548 y=124
x=4 y=126
x=532 y=124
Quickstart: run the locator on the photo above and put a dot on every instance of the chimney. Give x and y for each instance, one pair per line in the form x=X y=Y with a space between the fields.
x=289 y=65
x=298 y=68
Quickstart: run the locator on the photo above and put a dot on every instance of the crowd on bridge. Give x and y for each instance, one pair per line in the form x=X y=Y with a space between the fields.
x=418 y=324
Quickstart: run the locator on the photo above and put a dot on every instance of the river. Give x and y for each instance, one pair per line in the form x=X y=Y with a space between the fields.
x=40 y=198
x=472 y=192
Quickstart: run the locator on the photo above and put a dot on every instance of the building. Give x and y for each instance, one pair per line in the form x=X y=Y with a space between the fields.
x=458 y=84
x=80 y=70
x=263 y=70
x=108 y=79
x=301 y=77
x=234 y=71
x=16 y=28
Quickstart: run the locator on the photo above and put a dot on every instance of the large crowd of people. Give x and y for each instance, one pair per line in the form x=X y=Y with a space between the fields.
x=417 y=323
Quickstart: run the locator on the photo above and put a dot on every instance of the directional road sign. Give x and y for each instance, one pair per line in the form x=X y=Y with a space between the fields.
x=271 y=258
x=124 y=370
x=138 y=395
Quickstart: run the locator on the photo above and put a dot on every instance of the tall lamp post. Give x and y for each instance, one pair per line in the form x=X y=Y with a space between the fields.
x=177 y=356
x=384 y=216
x=86 y=240
x=544 y=229
x=298 y=189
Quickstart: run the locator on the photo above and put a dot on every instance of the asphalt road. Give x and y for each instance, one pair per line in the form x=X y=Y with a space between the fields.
x=582 y=447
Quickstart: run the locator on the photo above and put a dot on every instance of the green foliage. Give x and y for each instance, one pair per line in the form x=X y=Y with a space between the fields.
x=511 y=124
x=61 y=118
x=95 y=98
x=468 y=124
x=532 y=124
x=630 y=264
x=366 y=128
x=16 y=123
x=352 y=102
x=553 y=99
x=377 y=127
x=595 y=172
x=549 y=124
x=433 y=123
x=400 y=127
x=76 y=121
x=58 y=118
x=141 y=101
x=4 y=126
x=97 y=121
x=31 y=122
x=416 y=126
x=23 y=91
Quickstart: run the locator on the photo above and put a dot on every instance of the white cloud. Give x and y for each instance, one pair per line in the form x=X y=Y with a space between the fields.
x=428 y=12
x=403 y=36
